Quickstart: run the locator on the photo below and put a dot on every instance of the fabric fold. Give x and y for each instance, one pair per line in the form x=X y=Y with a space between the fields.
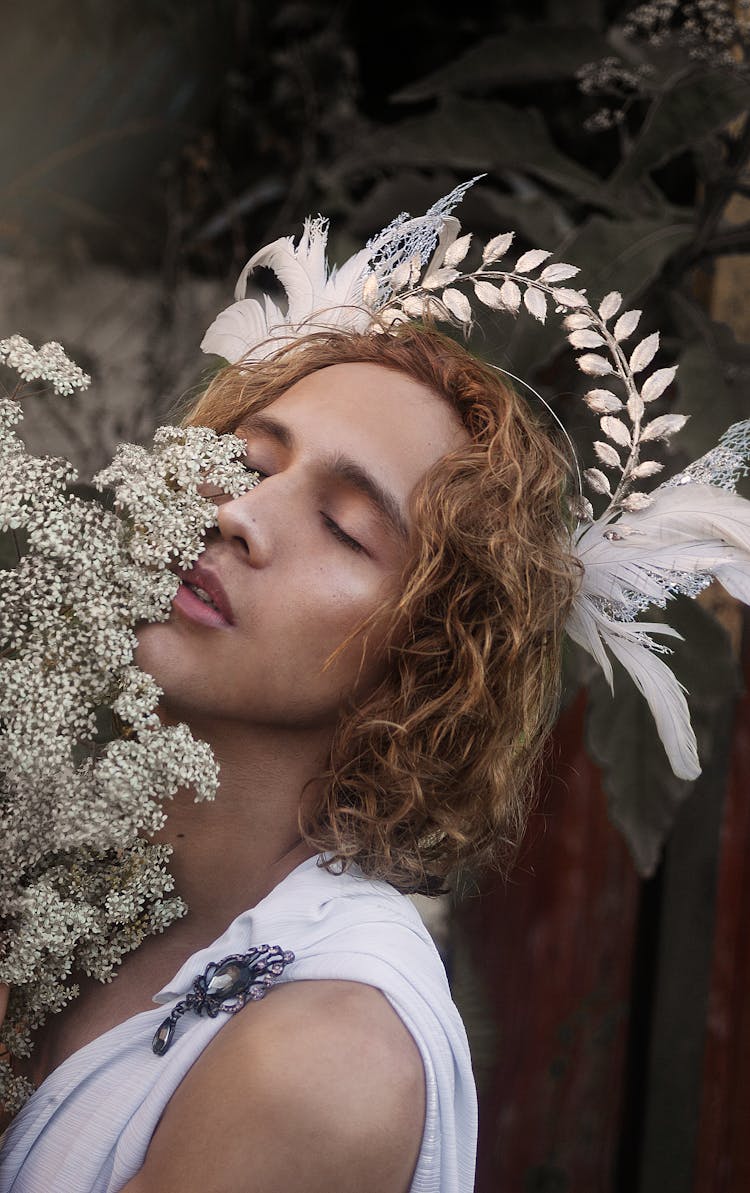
x=88 y=1127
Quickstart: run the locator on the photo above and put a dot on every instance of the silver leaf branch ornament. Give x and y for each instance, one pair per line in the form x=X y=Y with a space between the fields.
x=642 y=549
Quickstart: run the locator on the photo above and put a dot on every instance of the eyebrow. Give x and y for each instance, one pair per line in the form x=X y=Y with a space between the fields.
x=341 y=467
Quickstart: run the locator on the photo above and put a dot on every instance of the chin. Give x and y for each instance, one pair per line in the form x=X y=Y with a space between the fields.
x=158 y=654
x=187 y=691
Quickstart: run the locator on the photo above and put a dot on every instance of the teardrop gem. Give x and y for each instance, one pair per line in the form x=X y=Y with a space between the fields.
x=228 y=980
x=163 y=1036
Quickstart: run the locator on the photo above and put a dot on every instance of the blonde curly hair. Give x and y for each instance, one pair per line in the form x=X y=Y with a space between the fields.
x=439 y=764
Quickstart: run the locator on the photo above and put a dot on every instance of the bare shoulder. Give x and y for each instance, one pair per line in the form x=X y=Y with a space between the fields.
x=319 y=1086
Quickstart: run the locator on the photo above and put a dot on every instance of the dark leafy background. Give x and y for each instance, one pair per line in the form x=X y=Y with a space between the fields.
x=177 y=138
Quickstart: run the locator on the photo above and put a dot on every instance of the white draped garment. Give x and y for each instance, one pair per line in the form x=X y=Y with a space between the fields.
x=88 y=1126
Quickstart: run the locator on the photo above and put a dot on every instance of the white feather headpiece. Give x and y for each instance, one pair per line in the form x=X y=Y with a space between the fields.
x=642 y=549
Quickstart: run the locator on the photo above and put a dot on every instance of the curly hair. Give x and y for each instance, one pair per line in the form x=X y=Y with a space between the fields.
x=439 y=764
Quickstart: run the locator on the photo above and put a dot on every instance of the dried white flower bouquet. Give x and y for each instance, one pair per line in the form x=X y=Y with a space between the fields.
x=85 y=762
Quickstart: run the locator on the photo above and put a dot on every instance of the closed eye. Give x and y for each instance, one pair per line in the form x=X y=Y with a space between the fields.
x=341 y=535
x=334 y=527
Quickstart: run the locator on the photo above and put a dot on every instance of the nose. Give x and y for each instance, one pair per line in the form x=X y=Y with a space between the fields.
x=240 y=520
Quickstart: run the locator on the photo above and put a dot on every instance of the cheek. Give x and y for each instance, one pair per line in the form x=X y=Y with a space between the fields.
x=334 y=603
x=277 y=653
x=342 y=598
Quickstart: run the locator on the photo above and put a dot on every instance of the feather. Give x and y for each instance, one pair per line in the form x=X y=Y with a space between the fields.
x=592 y=628
x=302 y=276
x=629 y=642
x=252 y=329
x=311 y=251
x=582 y=628
x=273 y=313
x=690 y=533
x=447 y=236
x=284 y=243
x=666 y=699
x=694 y=511
x=735 y=577
x=344 y=290
x=236 y=330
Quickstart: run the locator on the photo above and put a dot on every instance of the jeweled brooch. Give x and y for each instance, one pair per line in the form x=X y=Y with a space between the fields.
x=226 y=986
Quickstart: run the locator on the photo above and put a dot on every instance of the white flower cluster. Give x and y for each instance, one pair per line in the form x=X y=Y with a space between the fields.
x=160 y=488
x=48 y=363
x=711 y=33
x=86 y=763
x=708 y=29
x=614 y=77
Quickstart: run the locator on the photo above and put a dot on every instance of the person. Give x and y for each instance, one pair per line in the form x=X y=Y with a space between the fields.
x=370 y=642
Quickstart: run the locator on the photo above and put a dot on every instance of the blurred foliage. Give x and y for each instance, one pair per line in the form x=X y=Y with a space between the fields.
x=181 y=138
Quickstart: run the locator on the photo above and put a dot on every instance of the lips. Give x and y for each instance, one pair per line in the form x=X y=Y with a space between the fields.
x=204 y=578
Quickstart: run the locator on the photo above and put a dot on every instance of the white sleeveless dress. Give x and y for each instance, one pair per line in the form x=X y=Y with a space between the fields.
x=88 y=1126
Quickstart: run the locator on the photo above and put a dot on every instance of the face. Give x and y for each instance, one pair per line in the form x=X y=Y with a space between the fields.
x=318 y=545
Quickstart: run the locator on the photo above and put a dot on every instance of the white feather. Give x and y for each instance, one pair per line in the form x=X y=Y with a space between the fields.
x=344 y=290
x=593 y=629
x=630 y=643
x=582 y=627
x=236 y=330
x=449 y=230
x=690 y=531
x=301 y=271
x=311 y=251
x=240 y=289
x=735 y=577
x=251 y=329
x=665 y=697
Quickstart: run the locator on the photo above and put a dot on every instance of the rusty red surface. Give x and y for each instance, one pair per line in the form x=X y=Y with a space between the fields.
x=554 y=949
x=723 y=1144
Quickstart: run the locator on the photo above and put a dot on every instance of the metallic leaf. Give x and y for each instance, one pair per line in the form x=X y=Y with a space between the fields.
x=560 y=272
x=664 y=426
x=511 y=295
x=457 y=251
x=646 y=468
x=535 y=302
x=602 y=401
x=586 y=338
x=569 y=298
x=607 y=454
x=626 y=324
x=458 y=305
x=528 y=261
x=489 y=295
x=596 y=366
x=644 y=353
x=615 y=429
x=497 y=247
x=610 y=305
x=653 y=387
x=598 y=481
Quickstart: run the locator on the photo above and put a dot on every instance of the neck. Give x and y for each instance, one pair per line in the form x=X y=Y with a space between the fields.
x=230 y=852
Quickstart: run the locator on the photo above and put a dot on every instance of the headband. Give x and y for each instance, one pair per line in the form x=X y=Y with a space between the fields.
x=640 y=549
